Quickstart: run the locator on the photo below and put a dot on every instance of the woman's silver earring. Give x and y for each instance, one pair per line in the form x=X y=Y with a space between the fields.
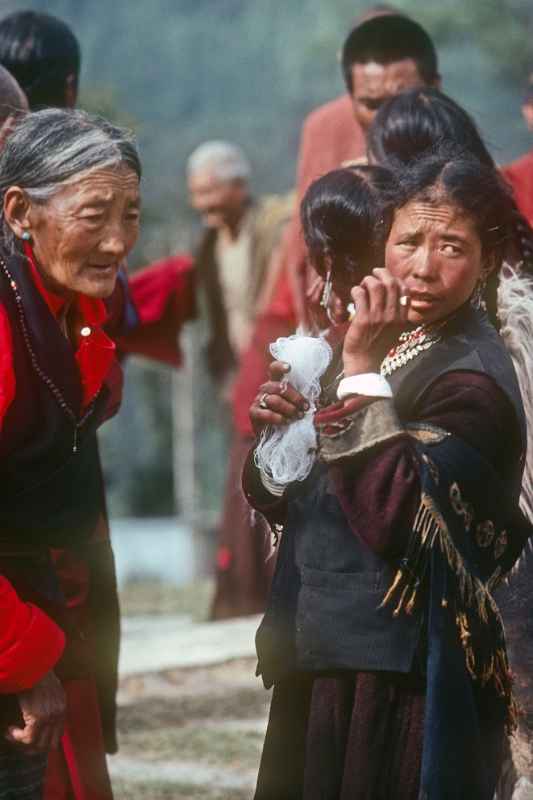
x=326 y=292
x=478 y=296
x=26 y=236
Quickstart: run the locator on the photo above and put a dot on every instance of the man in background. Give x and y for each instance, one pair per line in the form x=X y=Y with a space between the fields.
x=385 y=53
x=241 y=234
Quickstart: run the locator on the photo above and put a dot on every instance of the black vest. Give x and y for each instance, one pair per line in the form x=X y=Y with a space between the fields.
x=50 y=479
x=324 y=610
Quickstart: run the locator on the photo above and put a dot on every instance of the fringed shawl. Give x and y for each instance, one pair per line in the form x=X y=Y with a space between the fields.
x=466 y=537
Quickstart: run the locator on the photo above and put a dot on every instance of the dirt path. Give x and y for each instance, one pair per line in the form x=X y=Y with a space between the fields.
x=190 y=733
x=196 y=732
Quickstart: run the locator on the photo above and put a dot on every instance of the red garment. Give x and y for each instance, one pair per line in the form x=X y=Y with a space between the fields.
x=78 y=769
x=95 y=354
x=96 y=351
x=7 y=374
x=244 y=569
x=520 y=175
x=30 y=643
x=330 y=136
x=163 y=295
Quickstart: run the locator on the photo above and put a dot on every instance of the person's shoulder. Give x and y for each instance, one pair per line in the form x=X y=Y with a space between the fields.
x=273 y=209
x=330 y=112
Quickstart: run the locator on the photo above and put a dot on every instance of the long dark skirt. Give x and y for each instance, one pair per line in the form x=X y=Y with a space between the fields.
x=352 y=736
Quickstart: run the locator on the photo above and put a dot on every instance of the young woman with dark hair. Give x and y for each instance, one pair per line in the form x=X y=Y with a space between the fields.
x=345 y=218
x=382 y=638
x=422 y=120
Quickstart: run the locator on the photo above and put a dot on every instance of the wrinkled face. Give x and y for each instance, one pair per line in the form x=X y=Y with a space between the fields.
x=218 y=202
x=82 y=234
x=436 y=251
x=375 y=83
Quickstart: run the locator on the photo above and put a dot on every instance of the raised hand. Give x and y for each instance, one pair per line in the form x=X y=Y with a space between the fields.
x=381 y=309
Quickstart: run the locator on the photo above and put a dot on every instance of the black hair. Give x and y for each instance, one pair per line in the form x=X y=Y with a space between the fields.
x=345 y=219
x=41 y=52
x=387 y=38
x=420 y=120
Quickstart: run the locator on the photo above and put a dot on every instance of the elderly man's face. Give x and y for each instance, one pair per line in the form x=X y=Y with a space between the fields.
x=219 y=203
x=83 y=233
x=373 y=84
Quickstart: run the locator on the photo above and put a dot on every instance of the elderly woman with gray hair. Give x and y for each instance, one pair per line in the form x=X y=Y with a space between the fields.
x=69 y=187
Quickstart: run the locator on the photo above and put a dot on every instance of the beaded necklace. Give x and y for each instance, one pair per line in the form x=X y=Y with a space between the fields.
x=410 y=345
x=57 y=394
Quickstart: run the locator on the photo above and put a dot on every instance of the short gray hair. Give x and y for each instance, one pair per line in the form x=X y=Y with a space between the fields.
x=223 y=160
x=49 y=149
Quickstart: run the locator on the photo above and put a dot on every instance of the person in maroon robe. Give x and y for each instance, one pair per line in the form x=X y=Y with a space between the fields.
x=520 y=172
x=374 y=703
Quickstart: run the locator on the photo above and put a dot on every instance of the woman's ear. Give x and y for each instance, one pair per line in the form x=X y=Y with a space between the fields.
x=17 y=211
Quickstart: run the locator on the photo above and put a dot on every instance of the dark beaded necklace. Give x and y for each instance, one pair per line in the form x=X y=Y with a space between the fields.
x=51 y=386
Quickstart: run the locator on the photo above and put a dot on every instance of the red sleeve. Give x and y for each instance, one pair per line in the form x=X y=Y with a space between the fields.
x=164 y=298
x=30 y=643
x=379 y=489
x=7 y=374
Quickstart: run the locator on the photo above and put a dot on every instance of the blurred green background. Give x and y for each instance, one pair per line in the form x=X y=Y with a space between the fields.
x=182 y=71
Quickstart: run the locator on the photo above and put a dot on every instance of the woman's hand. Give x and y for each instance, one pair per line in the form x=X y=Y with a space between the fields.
x=277 y=403
x=43 y=709
x=381 y=309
